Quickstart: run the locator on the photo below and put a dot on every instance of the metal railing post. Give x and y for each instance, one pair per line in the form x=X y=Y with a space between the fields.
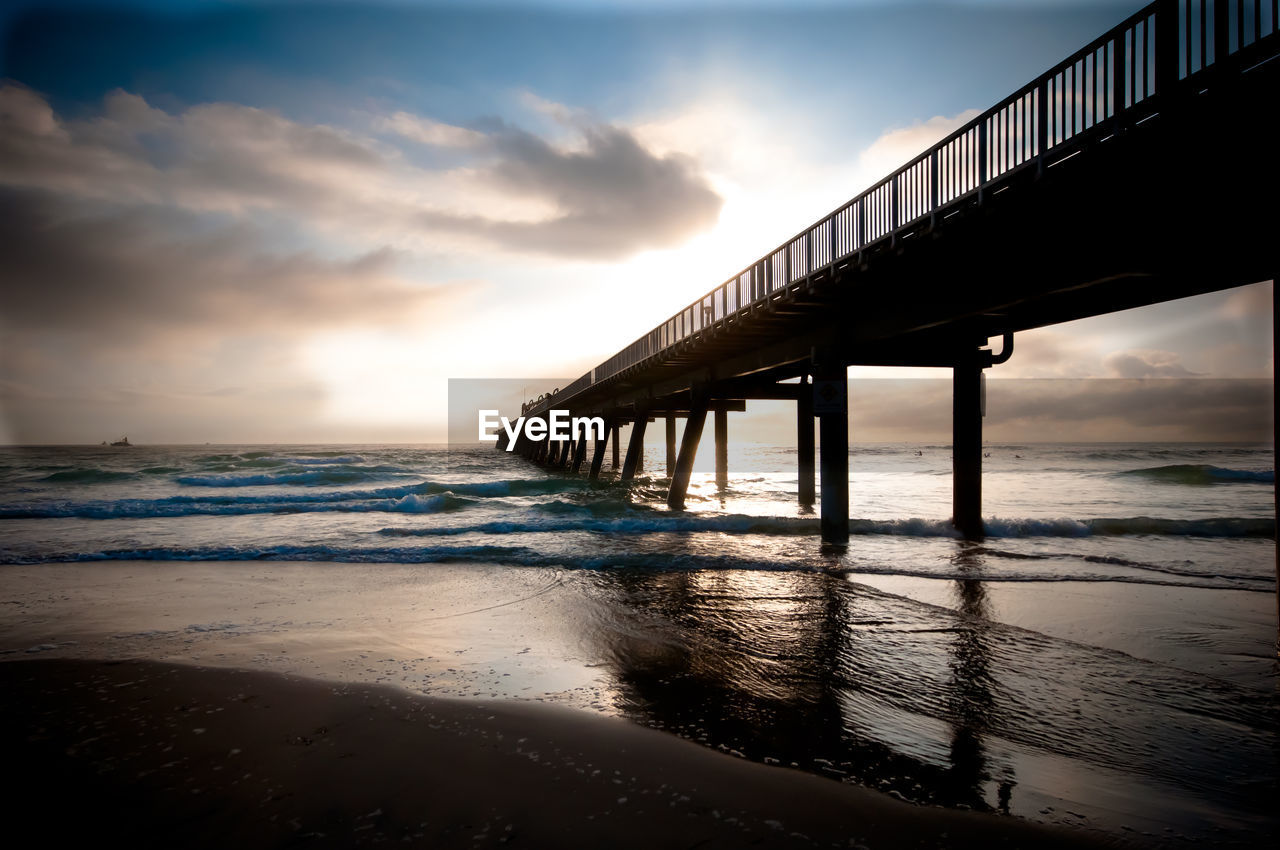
x=1117 y=76
x=832 y=239
x=933 y=187
x=1042 y=124
x=893 y=206
x=862 y=222
x=1167 y=46
x=1221 y=31
x=982 y=157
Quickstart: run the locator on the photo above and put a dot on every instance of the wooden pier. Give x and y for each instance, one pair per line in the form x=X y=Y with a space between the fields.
x=1140 y=169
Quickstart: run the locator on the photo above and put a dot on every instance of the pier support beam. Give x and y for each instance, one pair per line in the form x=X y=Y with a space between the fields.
x=671 y=445
x=831 y=404
x=688 y=449
x=635 y=448
x=579 y=454
x=614 y=437
x=804 y=443
x=966 y=446
x=597 y=459
x=722 y=449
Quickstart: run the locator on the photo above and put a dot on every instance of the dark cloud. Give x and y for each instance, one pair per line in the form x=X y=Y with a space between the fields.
x=615 y=197
x=145 y=270
x=1086 y=410
x=1146 y=364
x=611 y=199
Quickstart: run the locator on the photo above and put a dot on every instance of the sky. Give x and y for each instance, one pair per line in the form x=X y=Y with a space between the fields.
x=295 y=222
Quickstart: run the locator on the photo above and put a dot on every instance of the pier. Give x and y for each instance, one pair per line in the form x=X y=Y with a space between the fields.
x=1142 y=168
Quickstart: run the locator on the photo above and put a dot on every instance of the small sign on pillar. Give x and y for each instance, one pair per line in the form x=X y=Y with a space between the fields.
x=829 y=397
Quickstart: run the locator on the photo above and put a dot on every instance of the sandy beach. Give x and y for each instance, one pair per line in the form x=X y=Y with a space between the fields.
x=181 y=756
x=470 y=705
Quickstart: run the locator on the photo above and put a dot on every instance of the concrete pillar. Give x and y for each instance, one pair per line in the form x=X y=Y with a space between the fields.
x=579 y=454
x=722 y=449
x=635 y=448
x=831 y=404
x=614 y=437
x=966 y=446
x=804 y=443
x=671 y=445
x=688 y=449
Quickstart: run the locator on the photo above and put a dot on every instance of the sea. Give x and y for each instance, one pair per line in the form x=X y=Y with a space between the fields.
x=1104 y=659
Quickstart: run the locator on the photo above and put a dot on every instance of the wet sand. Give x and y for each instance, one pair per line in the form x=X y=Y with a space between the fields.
x=171 y=755
x=679 y=653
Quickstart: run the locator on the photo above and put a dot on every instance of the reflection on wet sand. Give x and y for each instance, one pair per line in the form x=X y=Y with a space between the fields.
x=935 y=704
x=772 y=666
x=972 y=702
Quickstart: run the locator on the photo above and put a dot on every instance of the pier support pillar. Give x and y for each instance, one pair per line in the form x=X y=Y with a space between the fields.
x=688 y=449
x=635 y=448
x=579 y=454
x=614 y=437
x=671 y=445
x=722 y=449
x=966 y=446
x=597 y=459
x=831 y=404
x=804 y=443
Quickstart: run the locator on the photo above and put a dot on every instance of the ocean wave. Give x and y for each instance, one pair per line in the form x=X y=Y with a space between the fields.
x=665 y=561
x=308 y=478
x=87 y=476
x=176 y=506
x=1197 y=474
x=647 y=521
x=650 y=522
x=322 y=459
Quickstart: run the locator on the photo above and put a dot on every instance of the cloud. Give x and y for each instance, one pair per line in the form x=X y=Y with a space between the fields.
x=1249 y=302
x=611 y=199
x=428 y=132
x=1086 y=410
x=607 y=198
x=1146 y=363
x=1121 y=409
x=151 y=271
x=895 y=148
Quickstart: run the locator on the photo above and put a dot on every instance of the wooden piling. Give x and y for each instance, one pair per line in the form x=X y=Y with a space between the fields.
x=688 y=449
x=671 y=445
x=831 y=404
x=805 y=492
x=966 y=446
x=635 y=448
x=722 y=449
x=597 y=459
x=614 y=437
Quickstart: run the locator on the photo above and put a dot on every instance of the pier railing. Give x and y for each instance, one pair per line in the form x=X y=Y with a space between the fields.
x=1114 y=81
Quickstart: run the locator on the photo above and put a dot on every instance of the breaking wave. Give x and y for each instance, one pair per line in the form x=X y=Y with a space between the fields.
x=1202 y=474
x=1051 y=568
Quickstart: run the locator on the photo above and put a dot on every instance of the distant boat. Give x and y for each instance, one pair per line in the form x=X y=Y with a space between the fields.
x=123 y=441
